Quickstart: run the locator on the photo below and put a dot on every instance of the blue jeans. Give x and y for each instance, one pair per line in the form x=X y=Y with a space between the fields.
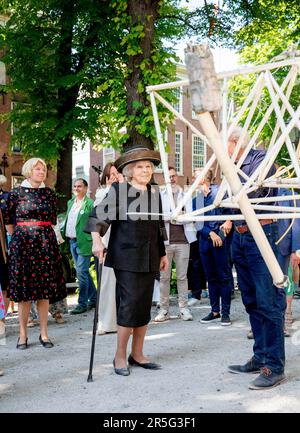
x=87 y=289
x=264 y=302
x=218 y=273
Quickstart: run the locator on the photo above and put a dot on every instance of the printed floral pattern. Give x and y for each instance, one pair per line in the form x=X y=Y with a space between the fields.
x=34 y=259
x=2 y=309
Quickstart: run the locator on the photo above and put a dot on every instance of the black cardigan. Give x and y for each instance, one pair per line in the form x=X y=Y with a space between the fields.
x=136 y=242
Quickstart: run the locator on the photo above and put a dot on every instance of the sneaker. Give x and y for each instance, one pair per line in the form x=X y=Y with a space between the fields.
x=162 y=316
x=204 y=294
x=185 y=314
x=193 y=301
x=251 y=366
x=210 y=317
x=78 y=310
x=225 y=320
x=250 y=335
x=267 y=379
x=102 y=332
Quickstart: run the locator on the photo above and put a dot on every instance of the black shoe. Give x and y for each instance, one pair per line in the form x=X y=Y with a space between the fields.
x=267 y=379
x=251 y=366
x=210 y=317
x=225 y=320
x=147 y=365
x=46 y=343
x=22 y=346
x=297 y=293
x=121 y=371
x=91 y=305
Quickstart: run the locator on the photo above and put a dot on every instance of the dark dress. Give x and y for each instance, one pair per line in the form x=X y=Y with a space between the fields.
x=34 y=259
x=135 y=247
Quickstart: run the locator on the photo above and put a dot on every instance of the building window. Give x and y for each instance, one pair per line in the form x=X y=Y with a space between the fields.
x=17 y=145
x=178 y=104
x=199 y=152
x=179 y=153
x=16 y=180
x=2 y=73
x=79 y=172
x=159 y=168
x=109 y=155
x=194 y=115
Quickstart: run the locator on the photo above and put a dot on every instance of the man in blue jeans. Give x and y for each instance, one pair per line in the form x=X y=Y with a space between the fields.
x=264 y=302
x=214 y=254
x=78 y=212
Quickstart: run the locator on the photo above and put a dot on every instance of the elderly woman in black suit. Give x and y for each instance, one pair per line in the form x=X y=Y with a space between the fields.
x=135 y=251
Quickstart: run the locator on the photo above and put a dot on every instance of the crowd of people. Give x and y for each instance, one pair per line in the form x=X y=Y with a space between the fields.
x=135 y=243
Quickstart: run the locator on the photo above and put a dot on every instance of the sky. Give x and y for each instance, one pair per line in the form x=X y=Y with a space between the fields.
x=224 y=58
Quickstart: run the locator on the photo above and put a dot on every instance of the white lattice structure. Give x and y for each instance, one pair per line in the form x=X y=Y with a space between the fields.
x=232 y=194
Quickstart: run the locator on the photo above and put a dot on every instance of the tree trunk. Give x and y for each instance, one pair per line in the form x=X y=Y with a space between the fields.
x=64 y=175
x=146 y=13
x=66 y=102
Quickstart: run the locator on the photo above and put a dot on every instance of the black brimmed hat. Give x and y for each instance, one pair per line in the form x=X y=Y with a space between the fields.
x=137 y=153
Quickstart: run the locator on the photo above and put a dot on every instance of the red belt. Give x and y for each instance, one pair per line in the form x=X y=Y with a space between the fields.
x=244 y=228
x=34 y=223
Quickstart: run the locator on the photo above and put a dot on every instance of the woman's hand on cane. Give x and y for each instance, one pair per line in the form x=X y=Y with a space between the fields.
x=98 y=248
x=164 y=262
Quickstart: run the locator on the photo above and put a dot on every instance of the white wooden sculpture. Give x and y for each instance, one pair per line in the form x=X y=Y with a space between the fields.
x=206 y=97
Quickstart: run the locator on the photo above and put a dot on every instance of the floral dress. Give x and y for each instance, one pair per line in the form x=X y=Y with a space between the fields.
x=34 y=259
x=3 y=241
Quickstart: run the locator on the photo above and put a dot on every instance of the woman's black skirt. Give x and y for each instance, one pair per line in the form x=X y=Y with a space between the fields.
x=134 y=291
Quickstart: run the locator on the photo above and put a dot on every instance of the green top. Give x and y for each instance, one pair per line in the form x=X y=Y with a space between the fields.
x=84 y=240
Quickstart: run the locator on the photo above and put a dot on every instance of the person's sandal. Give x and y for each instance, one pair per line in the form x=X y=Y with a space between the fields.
x=59 y=319
x=288 y=319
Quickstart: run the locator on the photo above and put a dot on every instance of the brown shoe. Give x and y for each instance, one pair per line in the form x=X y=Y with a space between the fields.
x=58 y=318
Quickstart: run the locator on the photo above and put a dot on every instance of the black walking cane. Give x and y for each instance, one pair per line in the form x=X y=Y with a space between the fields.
x=99 y=273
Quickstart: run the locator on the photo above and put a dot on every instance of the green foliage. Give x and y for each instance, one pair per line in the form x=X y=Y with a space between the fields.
x=173 y=282
x=269 y=28
x=79 y=68
x=69 y=61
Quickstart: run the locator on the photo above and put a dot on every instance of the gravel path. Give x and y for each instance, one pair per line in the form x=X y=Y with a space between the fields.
x=194 y=377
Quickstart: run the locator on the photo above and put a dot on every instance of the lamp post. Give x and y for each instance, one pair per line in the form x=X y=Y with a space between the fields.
x=4 y=162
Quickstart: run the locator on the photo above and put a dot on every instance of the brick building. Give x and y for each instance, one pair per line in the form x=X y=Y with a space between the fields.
x=187 y=150
x=12 y=159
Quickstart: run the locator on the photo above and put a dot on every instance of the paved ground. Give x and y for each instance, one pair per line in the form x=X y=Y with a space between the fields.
x=193 y=379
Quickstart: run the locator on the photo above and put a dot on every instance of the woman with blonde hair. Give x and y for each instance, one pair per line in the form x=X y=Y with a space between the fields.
x=35 y=270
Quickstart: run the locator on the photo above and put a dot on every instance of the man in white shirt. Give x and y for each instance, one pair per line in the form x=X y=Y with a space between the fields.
x=178 y=249
x=79 y=209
